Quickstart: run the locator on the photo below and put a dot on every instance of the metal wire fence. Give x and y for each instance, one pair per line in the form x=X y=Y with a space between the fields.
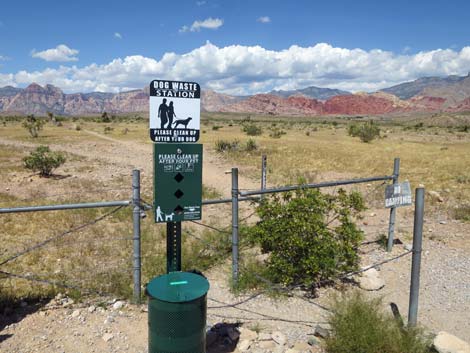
x=99 y=259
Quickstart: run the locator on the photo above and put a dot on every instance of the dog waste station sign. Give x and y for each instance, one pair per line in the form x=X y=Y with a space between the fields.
x=177 y=300
x=175 y=111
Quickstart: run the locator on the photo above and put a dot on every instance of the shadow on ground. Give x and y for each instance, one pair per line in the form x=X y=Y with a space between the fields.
x=222 y=338
x=13 y=311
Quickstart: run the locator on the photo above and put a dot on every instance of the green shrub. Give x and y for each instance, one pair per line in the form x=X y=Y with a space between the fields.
x=227 y=146
x=251 y=145
x=367 y=131
x=108 y=129
x=252 y=129
x=276 y=133
x=42 y=159
x=359 y=326
x=309 y=236
x=33 y=125
x=353 y=130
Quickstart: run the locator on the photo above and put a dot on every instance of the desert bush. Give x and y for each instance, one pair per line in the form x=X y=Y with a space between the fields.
x=309 y=236
x=276 y=133
x=367 y=131
x=353 y=130
x=216 y=127
x=359 y=326
x=108 y=129
x=33 y=125
x=227 y=146
x=105 y=118
x=251 y=145
x=252 y=129
x=44 y=160
x=52 y=118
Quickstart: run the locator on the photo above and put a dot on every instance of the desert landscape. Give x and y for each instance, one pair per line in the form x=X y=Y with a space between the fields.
x=213 y=176
x=434 y=153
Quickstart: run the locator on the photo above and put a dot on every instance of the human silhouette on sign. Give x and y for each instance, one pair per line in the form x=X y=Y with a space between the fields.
x=171 y=114
x=159 y=213
x=163 y=113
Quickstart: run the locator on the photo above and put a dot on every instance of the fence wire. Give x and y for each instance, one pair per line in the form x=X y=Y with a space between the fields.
x=92 y=191
x=57 y=237
x=288 y=289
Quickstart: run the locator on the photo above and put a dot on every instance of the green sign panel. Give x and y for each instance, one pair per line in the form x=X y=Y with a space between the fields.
x=177 y=182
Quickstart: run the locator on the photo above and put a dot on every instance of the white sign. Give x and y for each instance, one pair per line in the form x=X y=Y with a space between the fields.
x=397 y=195
x=175 y=111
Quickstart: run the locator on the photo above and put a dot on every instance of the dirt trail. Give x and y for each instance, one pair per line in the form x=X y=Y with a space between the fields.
x=126 y=155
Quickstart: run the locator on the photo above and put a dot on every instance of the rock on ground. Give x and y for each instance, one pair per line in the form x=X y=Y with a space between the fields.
x=447 y=343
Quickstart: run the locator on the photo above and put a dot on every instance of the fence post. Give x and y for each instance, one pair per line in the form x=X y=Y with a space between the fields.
x=393 y=210
x=416 y=259
x=263 y=171
x=136 y=236
x=235 y=226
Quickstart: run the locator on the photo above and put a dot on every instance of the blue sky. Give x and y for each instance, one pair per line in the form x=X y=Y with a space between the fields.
x=233 y=46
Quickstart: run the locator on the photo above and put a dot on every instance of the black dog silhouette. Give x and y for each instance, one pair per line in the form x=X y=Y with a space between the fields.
x=183 y=122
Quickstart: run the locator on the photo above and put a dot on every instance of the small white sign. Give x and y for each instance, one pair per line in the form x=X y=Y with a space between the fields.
x=398 y=195
x=175 y=111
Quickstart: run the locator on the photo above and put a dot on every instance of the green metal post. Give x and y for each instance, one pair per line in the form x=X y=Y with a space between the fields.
x=173 y=247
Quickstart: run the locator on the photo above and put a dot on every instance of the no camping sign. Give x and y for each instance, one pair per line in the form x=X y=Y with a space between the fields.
x=175 y=111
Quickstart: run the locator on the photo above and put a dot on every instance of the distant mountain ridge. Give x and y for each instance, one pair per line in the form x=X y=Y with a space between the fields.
x=410 y=89
x=311 y=92
x=427 y=94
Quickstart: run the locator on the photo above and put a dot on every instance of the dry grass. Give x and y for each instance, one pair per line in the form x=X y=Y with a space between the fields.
x=438 y=162
x=99 y=257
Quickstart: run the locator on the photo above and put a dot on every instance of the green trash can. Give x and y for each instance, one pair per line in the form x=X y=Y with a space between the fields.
x=177 y=313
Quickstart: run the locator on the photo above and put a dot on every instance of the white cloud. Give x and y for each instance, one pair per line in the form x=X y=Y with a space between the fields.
x=117 y=35
x=59 y=53
x=208 y=23
x=200 y=3
x=4 y=58
x=264 y=19
x=7 y=80
x=238 y=69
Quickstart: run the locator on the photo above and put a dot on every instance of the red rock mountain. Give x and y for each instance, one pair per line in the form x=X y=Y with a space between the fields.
x=451 y=95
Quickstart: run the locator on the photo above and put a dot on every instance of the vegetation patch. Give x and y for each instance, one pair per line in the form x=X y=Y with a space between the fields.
x=33 y=125
x=252 y=129
x=367 y=131
x=309 y=236
x=359 y=326
x=227 y=146
x=44 y=161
